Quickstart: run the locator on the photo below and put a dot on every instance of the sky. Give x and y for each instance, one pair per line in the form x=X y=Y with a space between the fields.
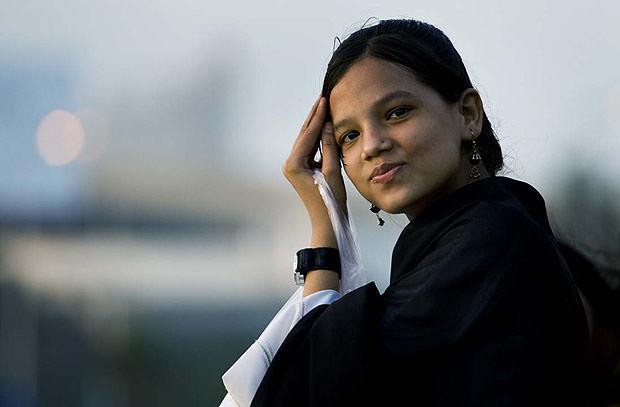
x=547 y=70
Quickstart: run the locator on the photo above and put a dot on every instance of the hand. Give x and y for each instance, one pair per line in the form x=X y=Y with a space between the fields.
x=299 y=166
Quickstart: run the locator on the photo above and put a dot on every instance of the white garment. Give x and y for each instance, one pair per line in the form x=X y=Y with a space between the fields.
x=245 y=375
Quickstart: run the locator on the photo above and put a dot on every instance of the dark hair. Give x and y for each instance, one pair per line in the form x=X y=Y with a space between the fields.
x=425 y=51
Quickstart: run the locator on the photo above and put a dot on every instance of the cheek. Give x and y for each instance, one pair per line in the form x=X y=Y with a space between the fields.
x=444 y=151
x=356 y=176
x=438 y=147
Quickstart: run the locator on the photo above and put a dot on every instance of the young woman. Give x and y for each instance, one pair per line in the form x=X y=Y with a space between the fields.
x=481 y=308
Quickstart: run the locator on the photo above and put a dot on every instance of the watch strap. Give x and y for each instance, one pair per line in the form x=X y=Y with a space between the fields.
x=318 y=258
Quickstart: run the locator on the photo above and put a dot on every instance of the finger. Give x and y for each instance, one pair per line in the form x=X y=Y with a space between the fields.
x=307 y=121
x=312 y=110
x=308 y=140
x=318 y=119
x=331 y=159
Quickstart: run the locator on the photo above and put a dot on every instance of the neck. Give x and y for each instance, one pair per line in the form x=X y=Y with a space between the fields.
x=459 y=181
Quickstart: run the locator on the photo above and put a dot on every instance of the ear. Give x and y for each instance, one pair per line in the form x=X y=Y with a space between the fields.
x=472 y=112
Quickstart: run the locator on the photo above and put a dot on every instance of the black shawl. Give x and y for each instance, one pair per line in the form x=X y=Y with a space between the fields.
x=481 y=310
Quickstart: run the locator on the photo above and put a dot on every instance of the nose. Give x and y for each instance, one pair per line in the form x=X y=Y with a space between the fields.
x=374 y=142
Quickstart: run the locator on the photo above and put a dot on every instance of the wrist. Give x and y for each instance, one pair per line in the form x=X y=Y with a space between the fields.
x=317 y=280
x=321 y=265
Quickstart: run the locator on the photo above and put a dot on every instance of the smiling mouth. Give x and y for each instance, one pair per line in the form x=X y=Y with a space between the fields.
x=386 y=176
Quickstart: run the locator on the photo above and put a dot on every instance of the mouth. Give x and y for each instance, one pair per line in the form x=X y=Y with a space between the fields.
x=384 y=173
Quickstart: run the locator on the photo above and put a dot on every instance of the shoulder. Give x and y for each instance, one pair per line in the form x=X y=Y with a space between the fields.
x=490 y=249
x=487 y=241
x=484 y=233
x=491 y=219
x=497 y=224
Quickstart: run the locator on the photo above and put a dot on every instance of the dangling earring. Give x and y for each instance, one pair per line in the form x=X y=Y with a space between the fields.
x=375 y=209
x=474 y=159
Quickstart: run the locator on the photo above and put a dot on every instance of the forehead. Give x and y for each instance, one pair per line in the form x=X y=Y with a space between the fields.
x=368 y=79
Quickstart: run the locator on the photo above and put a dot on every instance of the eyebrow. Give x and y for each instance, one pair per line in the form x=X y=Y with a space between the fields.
x=384 y=100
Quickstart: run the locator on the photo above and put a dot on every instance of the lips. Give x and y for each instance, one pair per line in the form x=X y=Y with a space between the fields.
x=384 y=172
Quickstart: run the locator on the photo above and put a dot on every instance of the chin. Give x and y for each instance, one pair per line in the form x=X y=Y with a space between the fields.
x=396 y=206
x=407 y=202
x=393 y=207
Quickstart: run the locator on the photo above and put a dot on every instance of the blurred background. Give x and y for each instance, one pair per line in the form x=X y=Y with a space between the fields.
x=146 y=231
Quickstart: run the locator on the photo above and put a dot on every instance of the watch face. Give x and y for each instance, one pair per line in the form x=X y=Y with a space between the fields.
x=298 y=278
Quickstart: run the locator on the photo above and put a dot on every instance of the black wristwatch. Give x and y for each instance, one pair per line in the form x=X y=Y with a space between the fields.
x=319 y=258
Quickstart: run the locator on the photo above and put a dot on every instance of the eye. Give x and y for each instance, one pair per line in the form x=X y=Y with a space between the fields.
x=398 y=112
x=348 y=137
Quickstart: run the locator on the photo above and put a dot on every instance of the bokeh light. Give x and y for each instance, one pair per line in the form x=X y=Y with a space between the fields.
x=60 y=138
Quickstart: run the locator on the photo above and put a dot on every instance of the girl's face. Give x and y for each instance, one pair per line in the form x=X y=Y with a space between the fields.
x=401 y=143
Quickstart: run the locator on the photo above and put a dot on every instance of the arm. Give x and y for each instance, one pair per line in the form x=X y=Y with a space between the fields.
x=298 y=170
x=321 y=286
